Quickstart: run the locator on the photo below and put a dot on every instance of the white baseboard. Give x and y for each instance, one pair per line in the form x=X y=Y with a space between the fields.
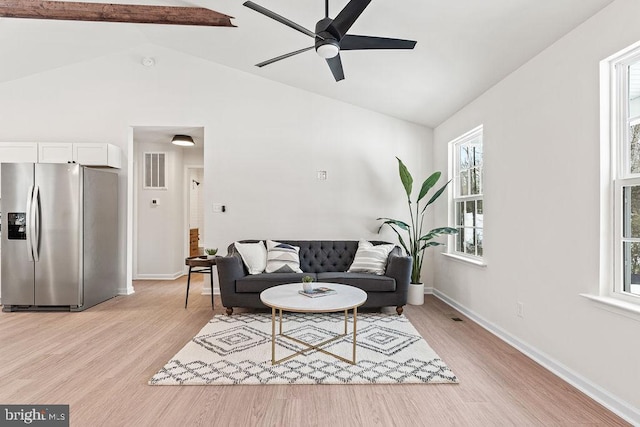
x=125 y=291
x=621 y=408
x=173 y=276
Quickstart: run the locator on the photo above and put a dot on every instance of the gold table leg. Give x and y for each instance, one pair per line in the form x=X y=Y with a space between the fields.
x=273 y=336
x=346 y=314
x=355 y=319
x=312 y=346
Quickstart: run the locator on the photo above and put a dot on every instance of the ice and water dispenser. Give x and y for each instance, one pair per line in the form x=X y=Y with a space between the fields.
x=16 y=226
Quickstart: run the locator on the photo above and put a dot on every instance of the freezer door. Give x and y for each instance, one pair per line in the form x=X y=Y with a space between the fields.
x=17 y=260
x=59 y=216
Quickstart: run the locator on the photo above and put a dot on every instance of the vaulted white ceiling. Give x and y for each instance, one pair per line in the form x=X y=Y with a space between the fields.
x=464 y=47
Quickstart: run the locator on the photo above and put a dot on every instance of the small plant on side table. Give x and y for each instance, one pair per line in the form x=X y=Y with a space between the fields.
x=211 y=251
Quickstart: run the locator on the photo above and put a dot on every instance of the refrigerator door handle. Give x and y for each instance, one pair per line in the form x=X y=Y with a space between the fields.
x=35 y=221
x=29 y=225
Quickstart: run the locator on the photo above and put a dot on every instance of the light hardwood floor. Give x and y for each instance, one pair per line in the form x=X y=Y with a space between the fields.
x=99 y=362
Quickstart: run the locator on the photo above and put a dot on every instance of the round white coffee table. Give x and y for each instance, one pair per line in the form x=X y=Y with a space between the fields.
x=288 y=298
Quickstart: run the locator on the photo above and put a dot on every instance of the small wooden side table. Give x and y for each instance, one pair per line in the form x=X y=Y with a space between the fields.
x=199 y=265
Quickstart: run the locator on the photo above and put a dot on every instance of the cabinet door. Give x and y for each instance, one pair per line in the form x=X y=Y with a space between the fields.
x=55 y=152
x=18 y=152
x=90 y=154
x=96 y=154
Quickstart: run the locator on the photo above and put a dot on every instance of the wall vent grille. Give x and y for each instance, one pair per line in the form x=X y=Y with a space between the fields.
x=155 y=170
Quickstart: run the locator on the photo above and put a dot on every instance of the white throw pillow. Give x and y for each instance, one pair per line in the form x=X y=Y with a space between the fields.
x=370 y=258
x=282 y=258
x=254 y=256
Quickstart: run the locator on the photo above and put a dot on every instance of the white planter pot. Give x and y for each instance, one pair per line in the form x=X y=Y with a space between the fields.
x=416 y=294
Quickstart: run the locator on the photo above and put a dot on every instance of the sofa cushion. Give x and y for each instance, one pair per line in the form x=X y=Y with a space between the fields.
x=282 y=258
x=366 y=281
x=325 y=255
x=259 y=282
x=254 y=256
x=370 y=258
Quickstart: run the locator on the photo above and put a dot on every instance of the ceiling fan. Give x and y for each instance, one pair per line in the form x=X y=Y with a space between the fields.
x=331 y=35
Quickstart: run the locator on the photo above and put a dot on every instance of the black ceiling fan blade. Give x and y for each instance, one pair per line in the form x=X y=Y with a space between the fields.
x=286 y=55
x=281 y=19
x=348 y=15
x=352 y=42
x=335 y=64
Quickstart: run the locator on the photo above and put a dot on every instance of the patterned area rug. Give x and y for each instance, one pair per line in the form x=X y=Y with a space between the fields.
x=237 y=350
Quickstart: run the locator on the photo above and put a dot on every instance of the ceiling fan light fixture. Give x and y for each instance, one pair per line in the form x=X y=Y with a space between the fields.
x=183 y=141
x=328 y=49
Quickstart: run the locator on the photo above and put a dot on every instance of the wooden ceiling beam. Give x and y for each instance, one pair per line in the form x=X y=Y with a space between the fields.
x=108 y=12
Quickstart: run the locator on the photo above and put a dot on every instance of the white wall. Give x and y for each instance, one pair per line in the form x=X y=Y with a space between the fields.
x=541 y=145
x=264 y=141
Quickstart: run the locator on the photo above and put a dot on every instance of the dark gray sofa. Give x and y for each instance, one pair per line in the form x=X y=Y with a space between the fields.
x=325 y=261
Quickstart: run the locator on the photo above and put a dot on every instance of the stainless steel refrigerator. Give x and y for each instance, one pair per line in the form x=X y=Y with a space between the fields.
x=59 y=236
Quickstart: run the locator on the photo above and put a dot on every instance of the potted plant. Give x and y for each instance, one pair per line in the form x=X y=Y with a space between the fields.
x=211 y=252
x=417 y=241
x=306 y=284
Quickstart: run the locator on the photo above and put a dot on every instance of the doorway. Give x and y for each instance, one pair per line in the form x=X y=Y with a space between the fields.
x=157 y=216
x=195 y=209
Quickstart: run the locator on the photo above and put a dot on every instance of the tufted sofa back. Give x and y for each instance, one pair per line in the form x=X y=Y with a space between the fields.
x=323 y=256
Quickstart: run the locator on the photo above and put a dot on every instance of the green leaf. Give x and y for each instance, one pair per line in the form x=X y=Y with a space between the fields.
x=397 y=222
x=406 y=178
x=400 y=239
x=428 y=184
x=404 y=245
x=436 y=195
x=438 y=232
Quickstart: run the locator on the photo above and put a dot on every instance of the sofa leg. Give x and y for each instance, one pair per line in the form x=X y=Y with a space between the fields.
x=229 y=311
x=399 y=309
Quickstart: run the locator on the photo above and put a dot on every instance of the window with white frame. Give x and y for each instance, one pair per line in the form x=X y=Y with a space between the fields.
x=467 y=204
x=624 y=139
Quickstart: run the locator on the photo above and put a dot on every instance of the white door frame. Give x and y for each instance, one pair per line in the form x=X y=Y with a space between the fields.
x=186 y=204
x=130 y=213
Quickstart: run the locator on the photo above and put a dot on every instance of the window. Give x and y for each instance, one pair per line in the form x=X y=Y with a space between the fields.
x=467 y=204
x=623 y=140
x=155 y=170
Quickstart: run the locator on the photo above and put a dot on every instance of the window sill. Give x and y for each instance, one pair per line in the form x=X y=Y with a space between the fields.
x=467 y=260
x=615 y=305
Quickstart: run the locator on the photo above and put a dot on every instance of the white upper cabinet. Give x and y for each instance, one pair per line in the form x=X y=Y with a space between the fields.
x=88 y=154
x=97 y=155
x=54 y=152
x=18 y=152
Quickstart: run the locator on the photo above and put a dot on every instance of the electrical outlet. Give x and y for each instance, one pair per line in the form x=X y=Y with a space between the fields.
x=520 y=309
